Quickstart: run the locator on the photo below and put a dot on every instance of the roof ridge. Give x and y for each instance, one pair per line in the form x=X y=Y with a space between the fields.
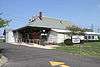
x=54 y=18
x=59 y=19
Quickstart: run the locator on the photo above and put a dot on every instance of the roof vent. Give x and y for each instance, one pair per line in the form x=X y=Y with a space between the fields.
x=40 y=15
x=61 y=22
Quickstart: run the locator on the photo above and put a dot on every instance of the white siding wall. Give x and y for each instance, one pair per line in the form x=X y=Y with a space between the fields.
x=56 y=37
x=9 y=37
x=61 y=37
x=52 y=37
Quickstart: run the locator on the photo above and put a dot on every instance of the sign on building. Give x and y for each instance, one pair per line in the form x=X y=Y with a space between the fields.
x=76 y=39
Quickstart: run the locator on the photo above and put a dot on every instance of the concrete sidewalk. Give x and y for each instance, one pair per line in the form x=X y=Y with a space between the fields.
x=36 y=45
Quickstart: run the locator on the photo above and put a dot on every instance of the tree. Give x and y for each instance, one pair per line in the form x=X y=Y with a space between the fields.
x=3 y=22
x=74 y=30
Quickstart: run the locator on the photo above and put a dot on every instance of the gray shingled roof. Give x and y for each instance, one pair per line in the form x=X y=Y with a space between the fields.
x=50 y=23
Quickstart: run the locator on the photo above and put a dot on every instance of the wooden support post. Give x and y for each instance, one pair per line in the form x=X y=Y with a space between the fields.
x=17 y=36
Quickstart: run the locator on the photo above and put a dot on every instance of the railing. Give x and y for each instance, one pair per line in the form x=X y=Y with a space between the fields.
x=37 y=41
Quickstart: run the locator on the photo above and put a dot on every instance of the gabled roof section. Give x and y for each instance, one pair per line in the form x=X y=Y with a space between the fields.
x=49 y=23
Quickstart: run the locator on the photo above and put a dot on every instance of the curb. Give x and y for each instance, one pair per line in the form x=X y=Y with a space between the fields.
x=3 y=60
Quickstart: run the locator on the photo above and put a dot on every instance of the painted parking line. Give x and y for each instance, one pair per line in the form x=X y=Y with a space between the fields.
x=64 y=65
x=60 y=64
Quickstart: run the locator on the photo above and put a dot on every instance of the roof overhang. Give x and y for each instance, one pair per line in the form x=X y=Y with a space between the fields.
x=60 y=30
x=93 y=33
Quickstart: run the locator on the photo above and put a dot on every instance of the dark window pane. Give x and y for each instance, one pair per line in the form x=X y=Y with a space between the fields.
x=85 y=37
x=92 y=37
x=89 y=37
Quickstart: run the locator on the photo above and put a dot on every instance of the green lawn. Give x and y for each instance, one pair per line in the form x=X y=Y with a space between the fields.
x=88 y=49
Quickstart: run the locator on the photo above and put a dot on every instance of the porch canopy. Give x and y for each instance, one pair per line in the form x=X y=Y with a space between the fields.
x=30 y=34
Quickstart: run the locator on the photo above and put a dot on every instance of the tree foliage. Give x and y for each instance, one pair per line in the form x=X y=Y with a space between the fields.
x=75 y=30
x=3 y=22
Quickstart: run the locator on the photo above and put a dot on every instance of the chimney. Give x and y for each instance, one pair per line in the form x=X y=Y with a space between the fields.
x=40 y=15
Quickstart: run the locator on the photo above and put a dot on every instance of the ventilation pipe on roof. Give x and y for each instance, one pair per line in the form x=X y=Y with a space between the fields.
x=61 y=21
x=40 y=15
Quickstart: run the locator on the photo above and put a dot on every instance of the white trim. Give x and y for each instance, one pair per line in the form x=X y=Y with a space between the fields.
x=59 y=30
x=94 y=33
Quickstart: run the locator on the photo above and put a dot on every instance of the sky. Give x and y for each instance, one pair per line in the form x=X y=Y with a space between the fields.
x=80 y=12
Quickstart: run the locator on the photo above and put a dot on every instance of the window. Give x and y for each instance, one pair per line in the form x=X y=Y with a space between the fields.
x=85 y=37
x=92 y=37
x=89 y=37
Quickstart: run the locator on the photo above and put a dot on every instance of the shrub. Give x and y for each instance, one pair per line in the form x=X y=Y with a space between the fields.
x=82 y=42
x=68 y=42
x=0 y=55
x=2 y=40
x=99 y=38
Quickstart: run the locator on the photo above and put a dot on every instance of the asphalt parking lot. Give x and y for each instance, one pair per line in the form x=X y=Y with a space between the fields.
x=22 y=56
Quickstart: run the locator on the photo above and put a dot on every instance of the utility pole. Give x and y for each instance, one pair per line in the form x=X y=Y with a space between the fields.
x=98 y=30
x=92 y=27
